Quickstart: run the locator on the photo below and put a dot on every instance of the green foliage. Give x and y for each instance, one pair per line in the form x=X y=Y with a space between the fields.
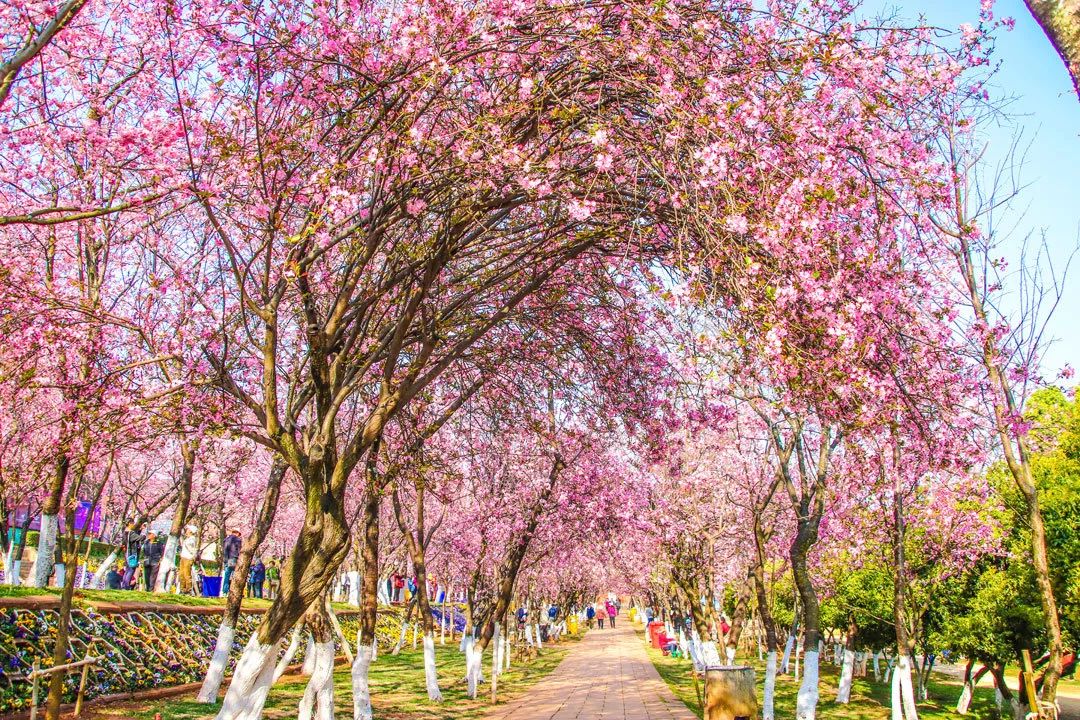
x=988 y=613
x=1055 y=438
x=864 y=595
x=993 y=611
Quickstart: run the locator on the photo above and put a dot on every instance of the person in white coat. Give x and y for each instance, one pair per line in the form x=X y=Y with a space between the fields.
x=189 y=549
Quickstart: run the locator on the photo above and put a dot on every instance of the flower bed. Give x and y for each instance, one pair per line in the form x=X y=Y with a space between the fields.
x=142 y=649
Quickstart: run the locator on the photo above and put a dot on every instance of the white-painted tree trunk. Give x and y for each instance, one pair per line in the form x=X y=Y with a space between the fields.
x=474 y=668
x=354 y=587
x=401 y=639
x=508 y=651
x=442 y=629
x=431 y=676
x=215 y=673
x=903 y=669
x=16 y=573
x=785 y=664
x=877 y=665
x=528 y=636
x=847 y=673
x=9 y=564
x=309 y=657
x=361 y=690
x=539 y=640
x=896 y=702
x=103 y=569
x=168 y=564
x=496 y=661
x=61 y=574
x=318 y=699
x=767 y=712
x=374 y=649
x=806 y=705
x=290 y=653
x=46 y=550
x=465 y=640
x=415 y=629
x=251 y=682
x=964 y=703
x=710 y=656
x=730 y=656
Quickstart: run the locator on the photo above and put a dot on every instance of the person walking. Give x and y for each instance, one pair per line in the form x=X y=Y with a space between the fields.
x=590 y=616
x=189 y=549
x=601 y=615
x=133 y=541
x=256 y=578
x=612 y=611
x=152 y=552
x=230 y=555
x=273 y=578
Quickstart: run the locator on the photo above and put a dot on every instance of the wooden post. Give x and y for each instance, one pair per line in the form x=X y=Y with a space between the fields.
x=729 y=693
x=1029 y=683
x=495 y=662
x=82 y=680
x=34 y=691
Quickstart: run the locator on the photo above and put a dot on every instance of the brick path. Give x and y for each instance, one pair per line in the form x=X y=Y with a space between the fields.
x=606 y=676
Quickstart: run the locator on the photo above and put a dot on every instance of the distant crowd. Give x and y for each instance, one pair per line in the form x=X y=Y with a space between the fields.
x=144 y=552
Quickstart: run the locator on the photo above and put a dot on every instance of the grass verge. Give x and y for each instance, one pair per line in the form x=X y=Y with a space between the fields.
x=869 y=699
x=397 y=690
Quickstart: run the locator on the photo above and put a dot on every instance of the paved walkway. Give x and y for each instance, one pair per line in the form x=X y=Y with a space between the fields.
x=605 y=676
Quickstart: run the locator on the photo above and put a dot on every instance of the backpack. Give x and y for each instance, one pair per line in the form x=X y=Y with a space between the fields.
x=133 y=560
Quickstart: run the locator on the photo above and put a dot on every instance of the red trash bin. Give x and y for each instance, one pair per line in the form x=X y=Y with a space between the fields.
x=655 y=630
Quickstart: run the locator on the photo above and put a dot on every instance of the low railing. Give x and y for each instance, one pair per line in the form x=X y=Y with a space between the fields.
x=37 y=673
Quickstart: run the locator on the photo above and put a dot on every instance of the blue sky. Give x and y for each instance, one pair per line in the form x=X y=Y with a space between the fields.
x=1046 y=109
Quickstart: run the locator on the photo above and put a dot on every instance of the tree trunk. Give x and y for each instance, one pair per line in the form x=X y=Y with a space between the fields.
x=738 y=619
x=60 y=648
x=970 y=683
x=320 y=549
x=847 y=672
x=416 y=540
x=511 y=564
x=1015 y=446
x=767 y=624
x=318 y=699
x=183 y=503
x=20 y=549
x=50 y=522
x=369 y=595
x=805 y=537
x=902 y=692
x=1060 y=21
x=215 y=673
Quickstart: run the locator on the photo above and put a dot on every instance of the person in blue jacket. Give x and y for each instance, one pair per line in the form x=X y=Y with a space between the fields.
x=256 y=578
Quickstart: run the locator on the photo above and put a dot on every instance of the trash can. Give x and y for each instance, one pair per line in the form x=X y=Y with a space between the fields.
x=211 y=585
x=656 y=628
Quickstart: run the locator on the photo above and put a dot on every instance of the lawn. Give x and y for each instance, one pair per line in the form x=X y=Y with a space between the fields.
x=869 y=699
x=397 y=690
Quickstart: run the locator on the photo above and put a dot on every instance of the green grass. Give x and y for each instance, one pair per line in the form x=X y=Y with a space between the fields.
x=869 y=699
x=397 y=690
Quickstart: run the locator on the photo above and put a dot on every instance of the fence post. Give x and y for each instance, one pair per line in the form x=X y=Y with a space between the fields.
x=34 y=691
x=82 y=680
